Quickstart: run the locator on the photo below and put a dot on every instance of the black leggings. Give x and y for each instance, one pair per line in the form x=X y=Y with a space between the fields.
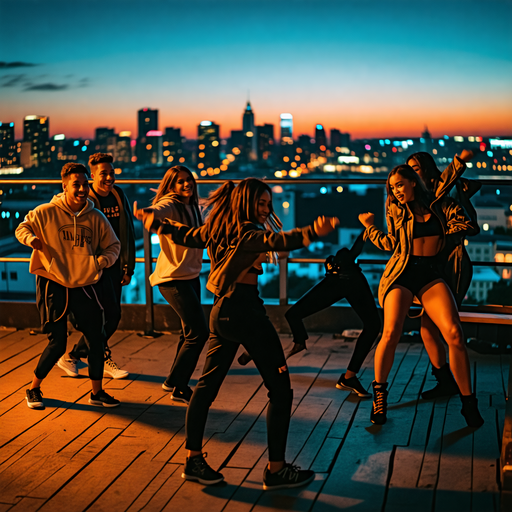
x=242 y=319
x=184 y=296
x=353 y=287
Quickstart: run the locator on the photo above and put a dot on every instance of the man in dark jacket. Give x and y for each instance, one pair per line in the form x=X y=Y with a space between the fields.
x=109 y=199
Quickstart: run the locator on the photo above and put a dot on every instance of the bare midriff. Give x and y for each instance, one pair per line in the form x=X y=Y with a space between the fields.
x=425 y=245
x=250 y=277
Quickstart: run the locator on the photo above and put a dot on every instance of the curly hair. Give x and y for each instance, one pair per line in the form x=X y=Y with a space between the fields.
x=100 y=158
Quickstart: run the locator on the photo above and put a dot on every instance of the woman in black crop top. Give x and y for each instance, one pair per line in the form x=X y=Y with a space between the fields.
x=454 y=264
x=412 y=272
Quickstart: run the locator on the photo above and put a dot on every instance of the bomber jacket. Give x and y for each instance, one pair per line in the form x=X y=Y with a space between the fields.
x=399 y=239
x=126 y=229
x=231 y=261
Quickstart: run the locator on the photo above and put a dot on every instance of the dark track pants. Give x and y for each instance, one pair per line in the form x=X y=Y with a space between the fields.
x=109 y=291
x=331 y=289
x=55 y=302
x=241 y=319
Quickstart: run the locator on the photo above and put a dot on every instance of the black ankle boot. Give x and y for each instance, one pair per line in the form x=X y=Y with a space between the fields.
x=470 y=411
x=380 y=403
x=446 y=385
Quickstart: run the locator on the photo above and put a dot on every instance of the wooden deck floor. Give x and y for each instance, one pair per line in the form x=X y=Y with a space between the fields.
x=74 y=457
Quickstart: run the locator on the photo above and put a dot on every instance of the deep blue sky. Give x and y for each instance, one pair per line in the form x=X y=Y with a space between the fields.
x=367 y=67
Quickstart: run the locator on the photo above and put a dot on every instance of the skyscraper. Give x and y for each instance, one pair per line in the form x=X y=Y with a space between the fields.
x=286 y=129
x=265 y=141
x=208 y=147
x=320 y=139
x=36 y=130
x=250 y=142
x=101 y=138
x=147 y=121
x=172 y=146
x=8 y=153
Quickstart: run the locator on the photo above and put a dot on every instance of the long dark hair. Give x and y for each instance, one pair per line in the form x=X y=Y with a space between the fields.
x=166 y=189
x=428 y=166
x=232 y=206
x=421 y=195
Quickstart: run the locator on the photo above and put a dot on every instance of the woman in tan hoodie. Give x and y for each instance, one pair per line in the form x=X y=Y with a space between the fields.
x=418 y=227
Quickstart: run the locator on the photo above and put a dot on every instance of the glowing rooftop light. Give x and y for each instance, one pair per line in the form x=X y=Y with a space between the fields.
x=154 y=133
x=286 y=116
x=319 y=127
x=206 y=123
x=31 y=118
x=59 y=136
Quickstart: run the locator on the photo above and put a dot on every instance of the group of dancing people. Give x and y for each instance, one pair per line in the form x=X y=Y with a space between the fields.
x=83 y=253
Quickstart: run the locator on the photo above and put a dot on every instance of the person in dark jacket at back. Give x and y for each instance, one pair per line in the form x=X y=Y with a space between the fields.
x=109 y=199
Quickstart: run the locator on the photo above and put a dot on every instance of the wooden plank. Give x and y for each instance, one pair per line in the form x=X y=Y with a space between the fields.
x=454 y=483
x=211 y=499
x=160 y=490
x=403 y=494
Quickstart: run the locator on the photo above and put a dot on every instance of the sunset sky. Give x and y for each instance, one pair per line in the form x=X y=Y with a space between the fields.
x=369 y=67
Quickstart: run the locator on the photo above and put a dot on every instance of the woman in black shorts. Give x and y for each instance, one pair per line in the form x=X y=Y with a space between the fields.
x=418 y=228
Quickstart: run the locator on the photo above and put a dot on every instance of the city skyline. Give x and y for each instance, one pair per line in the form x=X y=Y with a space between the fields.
x=368 y=68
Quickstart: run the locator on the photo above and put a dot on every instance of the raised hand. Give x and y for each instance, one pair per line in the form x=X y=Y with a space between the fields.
x=324 y=225
x=146 y=215
x=466 y=155
x=366 y=219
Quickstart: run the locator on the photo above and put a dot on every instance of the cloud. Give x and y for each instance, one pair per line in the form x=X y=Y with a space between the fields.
x=17 y=64
x=47 y=87
x=11 y=80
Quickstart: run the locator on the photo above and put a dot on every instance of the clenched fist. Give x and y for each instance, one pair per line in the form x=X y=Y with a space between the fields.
x=366 y=219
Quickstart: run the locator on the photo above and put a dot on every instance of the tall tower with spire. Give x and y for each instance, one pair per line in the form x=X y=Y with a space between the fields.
x=249 y=131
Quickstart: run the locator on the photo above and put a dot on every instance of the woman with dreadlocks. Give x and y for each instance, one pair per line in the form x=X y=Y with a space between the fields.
x=240 y=229
x=177 y=276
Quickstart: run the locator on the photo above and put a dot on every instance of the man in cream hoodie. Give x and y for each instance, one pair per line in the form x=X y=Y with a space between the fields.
x=73 y=242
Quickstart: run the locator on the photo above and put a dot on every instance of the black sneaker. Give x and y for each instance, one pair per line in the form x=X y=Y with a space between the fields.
x=103 y=399
x=166 y=386
x=287 y=477
x=35 y=398
x=353 y=385
x=197 y=470
x=380 y=403
x=181 y=395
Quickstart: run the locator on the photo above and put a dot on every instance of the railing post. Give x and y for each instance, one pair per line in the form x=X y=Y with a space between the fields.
x=283 y=281
x=149 y=331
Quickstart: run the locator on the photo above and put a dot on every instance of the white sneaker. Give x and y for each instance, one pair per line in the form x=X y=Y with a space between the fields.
x=69 y=366
x=113 y=371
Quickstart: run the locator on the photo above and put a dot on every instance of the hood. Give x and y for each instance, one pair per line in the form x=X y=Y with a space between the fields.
x=58 y=200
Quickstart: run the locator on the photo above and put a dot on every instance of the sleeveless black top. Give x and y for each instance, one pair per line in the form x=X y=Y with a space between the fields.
x=431 y=227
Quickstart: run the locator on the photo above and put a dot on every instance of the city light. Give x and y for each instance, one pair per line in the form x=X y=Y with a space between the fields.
x=206 y=123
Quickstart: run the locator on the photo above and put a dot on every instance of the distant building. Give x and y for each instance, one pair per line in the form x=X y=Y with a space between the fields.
x=101 y=139
x=320 y=139
x=36 y=130
x=265 y=141
x=208 y=148
x=250 y=142
x=147 y=121
x=8 y=148
x=149 y=149
x=286 y=129
x=173 y=147
x=123 y=148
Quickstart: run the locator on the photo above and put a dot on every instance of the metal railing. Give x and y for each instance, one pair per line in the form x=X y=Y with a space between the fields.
x=148 y=259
